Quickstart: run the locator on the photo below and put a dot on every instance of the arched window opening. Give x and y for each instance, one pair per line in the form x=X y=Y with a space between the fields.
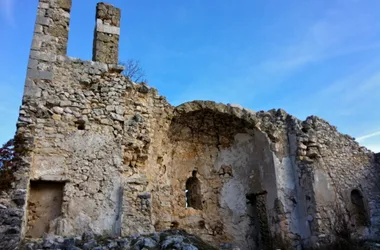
x=193 y=192
x=359 y=211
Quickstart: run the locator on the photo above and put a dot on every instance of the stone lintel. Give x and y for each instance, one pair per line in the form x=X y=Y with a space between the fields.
x=106 y=28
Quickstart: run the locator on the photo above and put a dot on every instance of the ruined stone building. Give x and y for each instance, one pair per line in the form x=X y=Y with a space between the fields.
x=110 y=156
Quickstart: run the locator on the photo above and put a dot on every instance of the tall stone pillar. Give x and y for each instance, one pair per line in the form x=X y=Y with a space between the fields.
x=107 y=31
x=51 y=32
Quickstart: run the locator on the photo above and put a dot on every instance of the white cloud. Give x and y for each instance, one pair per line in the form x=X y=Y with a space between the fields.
x=370 y=141
x=7 y=10
x=364 y=137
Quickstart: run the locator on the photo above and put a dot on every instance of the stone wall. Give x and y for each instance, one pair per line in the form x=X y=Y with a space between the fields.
x=336 y=166
x=123 y=155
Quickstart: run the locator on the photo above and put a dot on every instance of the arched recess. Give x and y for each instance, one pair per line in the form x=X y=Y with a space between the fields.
x=233 y=161
x=359 y=212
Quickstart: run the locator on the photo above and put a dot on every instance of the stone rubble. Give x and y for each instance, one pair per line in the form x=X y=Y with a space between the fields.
x=170 y=239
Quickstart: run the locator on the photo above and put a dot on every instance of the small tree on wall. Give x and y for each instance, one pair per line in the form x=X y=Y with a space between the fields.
x=7 y=164
x=133 y=71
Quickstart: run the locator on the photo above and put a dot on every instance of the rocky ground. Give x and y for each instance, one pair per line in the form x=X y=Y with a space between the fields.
x=170 y=239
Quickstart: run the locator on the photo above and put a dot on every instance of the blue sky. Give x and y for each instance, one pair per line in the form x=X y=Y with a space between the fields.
x=317 y=57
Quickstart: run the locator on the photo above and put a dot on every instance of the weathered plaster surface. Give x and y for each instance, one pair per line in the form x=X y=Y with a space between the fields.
x=124 y=155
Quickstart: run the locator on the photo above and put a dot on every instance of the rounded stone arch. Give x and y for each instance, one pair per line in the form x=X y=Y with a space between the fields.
x=234 y=161
x=240 y=113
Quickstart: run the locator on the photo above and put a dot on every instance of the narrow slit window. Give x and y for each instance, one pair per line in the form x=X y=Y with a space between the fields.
x=193 y=192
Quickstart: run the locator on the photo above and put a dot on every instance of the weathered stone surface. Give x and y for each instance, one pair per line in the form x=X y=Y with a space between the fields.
x=65 y=5
x=124 y=157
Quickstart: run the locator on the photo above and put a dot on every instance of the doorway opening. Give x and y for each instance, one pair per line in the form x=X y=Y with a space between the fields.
x=44 y=205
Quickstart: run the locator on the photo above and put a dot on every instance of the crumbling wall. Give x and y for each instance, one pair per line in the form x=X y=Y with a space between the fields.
x=233 y=153
x=220 y=149
x=125 y=155
x=89 y=127
x=337 y=165
x=95 y=121
x=289 y=220
x=74 y=123
x=144 y=134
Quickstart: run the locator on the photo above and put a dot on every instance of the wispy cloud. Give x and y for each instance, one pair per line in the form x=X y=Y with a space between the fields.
x=345 y=30
x=328 y=37
x=7 y=11
x=364 y=137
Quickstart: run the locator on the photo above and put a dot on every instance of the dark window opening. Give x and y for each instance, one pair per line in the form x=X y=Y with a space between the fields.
x=81 y=125
x=174 y=225
x=259 y=224
x=359 y=211
x=193 y=192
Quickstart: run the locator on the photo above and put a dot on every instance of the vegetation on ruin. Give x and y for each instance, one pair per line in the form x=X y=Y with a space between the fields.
x=9 y=153
x=133 y=71
x=7 y=165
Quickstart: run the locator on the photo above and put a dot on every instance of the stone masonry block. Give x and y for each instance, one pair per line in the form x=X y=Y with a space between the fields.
x=38 y=74
x=31 y=90
x=38 y=28
x=43 y=20
x=32 y=64
x=46 y=75
x=65 y=4
x=105 y=28
x=41 y=12
x=36 y=44
x=43 y=5
x=48 y=57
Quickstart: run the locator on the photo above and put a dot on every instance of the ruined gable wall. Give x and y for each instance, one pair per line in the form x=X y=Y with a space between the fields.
x=56 y=103
x=87 y=158
x=336 y=165
x=79 y=117
x=100 y=164
x=89 y=128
